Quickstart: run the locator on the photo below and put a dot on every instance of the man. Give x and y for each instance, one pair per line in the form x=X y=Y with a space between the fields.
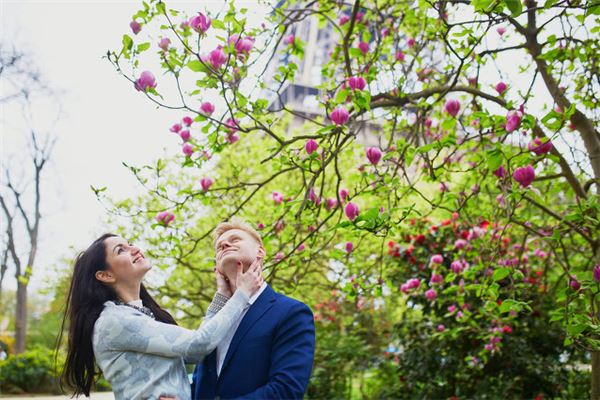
x=269 y=354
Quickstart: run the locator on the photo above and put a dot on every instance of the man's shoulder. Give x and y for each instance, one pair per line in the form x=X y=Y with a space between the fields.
x=290 y=302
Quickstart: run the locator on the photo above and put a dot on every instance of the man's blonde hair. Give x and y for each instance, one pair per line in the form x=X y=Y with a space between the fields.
x=236 y=224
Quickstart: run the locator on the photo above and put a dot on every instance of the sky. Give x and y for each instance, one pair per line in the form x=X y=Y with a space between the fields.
x=104 y=121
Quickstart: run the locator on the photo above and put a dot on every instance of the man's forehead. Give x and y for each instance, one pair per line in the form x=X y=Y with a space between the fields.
x=232 y=232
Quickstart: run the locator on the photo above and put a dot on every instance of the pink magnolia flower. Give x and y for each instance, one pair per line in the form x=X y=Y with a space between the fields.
x=363 y=47
x=436 y=278
x=500 y=87
x=501 y=30
x=330 y=203
x=290 y=40
x=339 y=115
x=437 y=259
x=301 y=247
x=357 y=82
x=310 y=146
x=231 y=138
x=242 y=45
x=460 y=244
x=185 y=135
x=343 y=194
x=145 y=81
x=207 y=108
x=165 y=217
x=175 y=128
x=441 y=328
x=451 y=308
x=413 y=283
x=187 y=149
x=349 y=247
x=400 y=56
x=431 y=294
x=135 y=27
x=539 y=253
x=500 y=199
x=574 y=284
x=411 y=42
x=539 y=147
x=351 y=211
x=404 y=288
x=277 y=197
x=500 y=172
x=205 y=183
x=596 y=273
x=344 y=18
x=513 y=121
x=164 y=44
x=524 y=175
x=373 y=155
x=187 y=121
x=452 y=107
x=312 y=196
x=456 y=266
x=216 y=58
x=200 y=23
x=232 y=125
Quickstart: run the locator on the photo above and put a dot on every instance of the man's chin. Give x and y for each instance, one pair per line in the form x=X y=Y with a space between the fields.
x=228 y=264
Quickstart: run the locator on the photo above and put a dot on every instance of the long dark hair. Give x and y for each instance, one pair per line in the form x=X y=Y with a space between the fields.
x=85 y=302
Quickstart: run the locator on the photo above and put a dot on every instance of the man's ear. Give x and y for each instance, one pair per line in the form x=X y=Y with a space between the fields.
x=105 y=277
x=261 y=252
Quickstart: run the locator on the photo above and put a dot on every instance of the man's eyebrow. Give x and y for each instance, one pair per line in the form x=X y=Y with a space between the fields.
x=234 y=236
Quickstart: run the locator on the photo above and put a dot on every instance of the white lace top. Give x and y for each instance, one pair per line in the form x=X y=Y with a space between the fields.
x=144 y=359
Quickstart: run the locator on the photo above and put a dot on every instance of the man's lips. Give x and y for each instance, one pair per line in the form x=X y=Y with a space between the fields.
x=138 y=258
x=226 y=251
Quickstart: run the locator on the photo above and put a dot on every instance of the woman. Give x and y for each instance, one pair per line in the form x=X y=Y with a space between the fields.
x=115 y=323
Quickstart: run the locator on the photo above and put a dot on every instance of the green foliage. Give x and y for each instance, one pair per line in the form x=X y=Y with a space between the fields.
x=31 y=372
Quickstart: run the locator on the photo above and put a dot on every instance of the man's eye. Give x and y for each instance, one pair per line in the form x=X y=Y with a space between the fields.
x=120 y=250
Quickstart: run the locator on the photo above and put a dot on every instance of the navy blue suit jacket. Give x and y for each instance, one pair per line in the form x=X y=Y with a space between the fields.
x=270 y=356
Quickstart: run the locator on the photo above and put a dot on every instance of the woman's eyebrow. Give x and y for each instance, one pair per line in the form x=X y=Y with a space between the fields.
x=119 y=245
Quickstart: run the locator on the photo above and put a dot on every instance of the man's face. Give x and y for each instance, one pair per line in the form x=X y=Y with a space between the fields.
x=236 y=245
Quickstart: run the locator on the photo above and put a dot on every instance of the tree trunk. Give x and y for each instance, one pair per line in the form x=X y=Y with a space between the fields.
x=21 y=317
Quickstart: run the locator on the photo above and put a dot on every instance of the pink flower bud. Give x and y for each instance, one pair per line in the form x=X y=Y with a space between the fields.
x=500 y=199
x=452 y=107
x=207 y=108
x=277 y=197
x=411 y=42
x=165 y=217
x=145 y=81
x=539 y=147
x=339 y=116
x=436 y=278
x=574 y=284
x=363 y=47
x=472 y=81
x=330 y=203
x=343 y=194
x=232 y=125
x=441 y=328
x=164 y=44
x=456 y=266
x=231 y=138
x=500 y=172
x=175 y=128
x=500 y=87
x=524 y=175
x=437 y=259
x=200 y=23
x=301 y=247
x=400 y=56
x=185 y=135
x=349 y=247
x=373 y=155
x=357 y=82
x=278 y=256
x=260 y=226
x=312 y=196
x=135 y=27
x=344 y=18
x=431 y=294
x=242 y=45
x=351 y=211
x=596 y=273
x=290 y=40
x=513 y=121
x=187 y=121
x=310 y=146
x=205 y=183
x=187 y=149
x=460 y=244
x=501 y=30
x=413 y=283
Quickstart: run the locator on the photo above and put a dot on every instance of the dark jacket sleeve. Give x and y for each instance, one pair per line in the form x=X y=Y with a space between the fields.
x=291 y=358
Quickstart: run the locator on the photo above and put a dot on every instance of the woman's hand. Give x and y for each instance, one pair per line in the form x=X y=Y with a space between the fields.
x=251 y=280
x=223 y=286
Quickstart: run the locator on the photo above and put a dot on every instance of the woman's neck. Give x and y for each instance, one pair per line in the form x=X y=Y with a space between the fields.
x=128 y=293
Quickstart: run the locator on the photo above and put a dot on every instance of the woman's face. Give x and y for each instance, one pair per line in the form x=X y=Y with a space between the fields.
x=126 y=263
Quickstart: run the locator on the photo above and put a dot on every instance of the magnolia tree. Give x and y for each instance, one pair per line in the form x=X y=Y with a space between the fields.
x=452 y=128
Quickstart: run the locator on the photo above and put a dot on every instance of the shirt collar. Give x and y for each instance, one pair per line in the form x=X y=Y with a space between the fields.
x=258 y=293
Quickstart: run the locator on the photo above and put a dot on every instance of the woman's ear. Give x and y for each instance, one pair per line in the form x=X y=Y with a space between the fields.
x=105 y=277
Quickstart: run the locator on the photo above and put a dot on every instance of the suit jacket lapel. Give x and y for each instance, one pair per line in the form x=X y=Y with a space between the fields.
x=262 y=304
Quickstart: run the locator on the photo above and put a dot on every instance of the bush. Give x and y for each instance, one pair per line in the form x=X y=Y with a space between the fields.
x=32 y=372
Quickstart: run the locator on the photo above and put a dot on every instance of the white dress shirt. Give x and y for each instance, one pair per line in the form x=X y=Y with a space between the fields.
x=224 y=344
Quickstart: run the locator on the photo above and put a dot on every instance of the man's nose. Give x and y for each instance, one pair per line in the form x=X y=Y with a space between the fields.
x=134 y=250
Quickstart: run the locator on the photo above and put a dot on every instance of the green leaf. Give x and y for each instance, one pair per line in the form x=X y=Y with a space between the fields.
x=500 y=274
x=217 y=24
x=515 y=6
x=494 y=159
x=196 y=66
x=143 y=47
